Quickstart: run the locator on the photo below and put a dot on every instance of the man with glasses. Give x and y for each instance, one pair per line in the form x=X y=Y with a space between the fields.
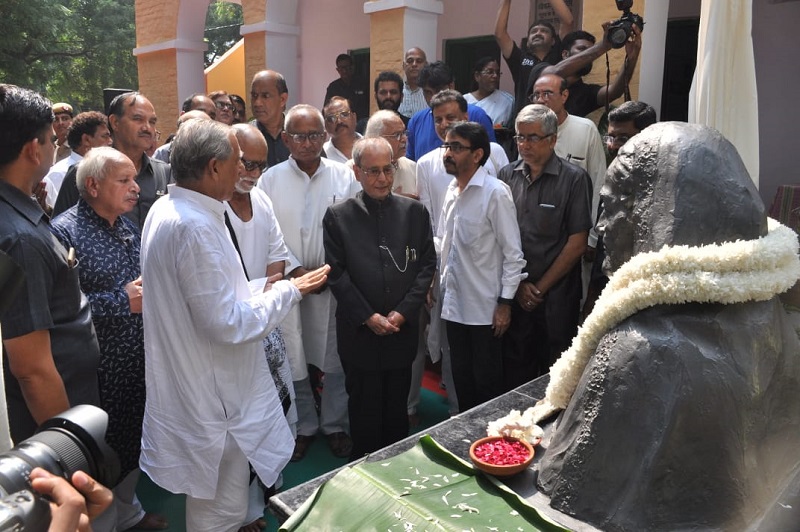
x=340 y=123
x=377 y=318
x=422 y=136
x=552 y=206
x=498 y=104
x=349 y=86
x=413 y=100
x=301 y=189
x=578 y=142
x=481 y=265
x=224 y=107
x=389 y=125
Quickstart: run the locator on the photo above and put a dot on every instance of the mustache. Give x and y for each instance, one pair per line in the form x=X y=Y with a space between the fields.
x=449 y=160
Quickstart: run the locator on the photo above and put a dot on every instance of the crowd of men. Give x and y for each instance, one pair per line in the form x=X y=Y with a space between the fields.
x=195 y=290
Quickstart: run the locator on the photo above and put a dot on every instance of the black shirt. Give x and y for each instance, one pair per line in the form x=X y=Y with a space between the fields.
x=277 y=151
x=356 y=93
x=50 y=299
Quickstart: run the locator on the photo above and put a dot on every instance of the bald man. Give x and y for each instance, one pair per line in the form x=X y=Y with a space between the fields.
x=268 y=96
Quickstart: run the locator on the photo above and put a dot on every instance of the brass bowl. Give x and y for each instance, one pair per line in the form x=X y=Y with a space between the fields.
x=500 y=470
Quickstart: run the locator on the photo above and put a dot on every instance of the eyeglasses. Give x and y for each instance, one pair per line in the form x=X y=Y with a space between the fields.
x=533 y=139
x=332 y=119
x=252 y=165
x=456 y=147
x=396 y=136
x=544 y=95
x=224 y=105
x=302 y=137
x=491 y=73
x=376 y=172
x=620 y=140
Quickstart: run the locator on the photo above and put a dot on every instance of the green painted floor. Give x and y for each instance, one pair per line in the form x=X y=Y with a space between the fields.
x=433 y=408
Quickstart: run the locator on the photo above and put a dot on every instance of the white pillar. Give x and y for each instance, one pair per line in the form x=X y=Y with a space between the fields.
x=651 y=59
x=420 y=22
x=281 y=44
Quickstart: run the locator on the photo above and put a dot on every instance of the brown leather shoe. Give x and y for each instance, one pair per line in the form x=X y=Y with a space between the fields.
x=301 y=445
x=340 y=443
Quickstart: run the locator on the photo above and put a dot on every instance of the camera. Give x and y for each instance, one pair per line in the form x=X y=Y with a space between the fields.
x=72 y=441
x=619 y=31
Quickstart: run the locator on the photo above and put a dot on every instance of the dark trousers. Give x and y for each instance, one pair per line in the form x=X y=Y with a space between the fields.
x=377 y=407
x=476 y=359
x=535 y=340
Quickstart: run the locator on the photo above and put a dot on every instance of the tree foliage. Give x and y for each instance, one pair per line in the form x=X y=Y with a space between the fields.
x=69 y=50
x=223 y=21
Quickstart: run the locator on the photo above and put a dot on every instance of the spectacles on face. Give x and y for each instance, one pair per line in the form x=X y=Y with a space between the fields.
x=533 y=139
x=300 y=138
x=252 y=165
x=224 y=105
x=544 y=95
x=456 y=147
x=376 y=172
x=491 y=73
x=616 y=141
x=332 y=119
x=396 y=136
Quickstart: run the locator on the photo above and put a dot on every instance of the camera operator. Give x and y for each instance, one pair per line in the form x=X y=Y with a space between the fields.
x=73 y=505
x=580 y=51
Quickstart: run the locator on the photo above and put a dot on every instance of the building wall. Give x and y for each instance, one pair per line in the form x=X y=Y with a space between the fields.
x=328 y=29
x=777 y=77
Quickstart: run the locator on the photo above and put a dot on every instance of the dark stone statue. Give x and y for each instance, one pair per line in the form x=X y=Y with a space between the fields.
x=688 y=415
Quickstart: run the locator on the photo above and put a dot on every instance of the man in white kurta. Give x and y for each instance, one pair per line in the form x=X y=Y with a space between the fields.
x=301 y=189
x=208 y=412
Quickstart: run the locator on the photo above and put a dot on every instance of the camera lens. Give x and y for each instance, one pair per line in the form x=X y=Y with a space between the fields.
x=73 y=441
x=618 y=35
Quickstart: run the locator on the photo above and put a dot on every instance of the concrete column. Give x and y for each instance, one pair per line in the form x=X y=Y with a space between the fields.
x=396 y=26
x=654 y=42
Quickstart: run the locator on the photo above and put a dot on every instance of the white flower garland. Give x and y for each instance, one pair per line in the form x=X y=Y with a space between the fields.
x=732 y=272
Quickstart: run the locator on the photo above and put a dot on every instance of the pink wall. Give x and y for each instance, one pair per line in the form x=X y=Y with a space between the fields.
x=327 y=30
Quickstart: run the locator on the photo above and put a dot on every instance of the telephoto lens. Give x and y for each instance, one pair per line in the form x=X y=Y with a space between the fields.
x=72 y=441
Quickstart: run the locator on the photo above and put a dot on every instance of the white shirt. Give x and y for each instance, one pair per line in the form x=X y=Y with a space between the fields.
x=300 y=203
x=413 y=101
x=260 y=238
x=579 y=142
x=433 y=179
x=481 y=252
x=499 y=105
x=54 y=178
x=205 y=370
x=333 y=153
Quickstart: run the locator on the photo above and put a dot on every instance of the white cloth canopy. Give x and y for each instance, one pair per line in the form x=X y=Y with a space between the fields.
x=723 y=93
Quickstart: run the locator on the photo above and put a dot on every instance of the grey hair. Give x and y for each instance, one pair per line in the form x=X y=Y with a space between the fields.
x=370 y=142
x=195 y=144
x=98 y=163
x=303 y=108
x=375 y=124
x=538 y=114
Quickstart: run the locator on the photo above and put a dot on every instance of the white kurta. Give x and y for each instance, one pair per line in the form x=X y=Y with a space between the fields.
x=499 y=105
x=579 y=142
x=205 y=365
x=300 y=203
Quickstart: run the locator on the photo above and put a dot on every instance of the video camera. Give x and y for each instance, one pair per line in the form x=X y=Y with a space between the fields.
x=72 y=441
x=619 y=31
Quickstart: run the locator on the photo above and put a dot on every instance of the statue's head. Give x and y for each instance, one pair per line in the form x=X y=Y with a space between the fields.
x=677 y=184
